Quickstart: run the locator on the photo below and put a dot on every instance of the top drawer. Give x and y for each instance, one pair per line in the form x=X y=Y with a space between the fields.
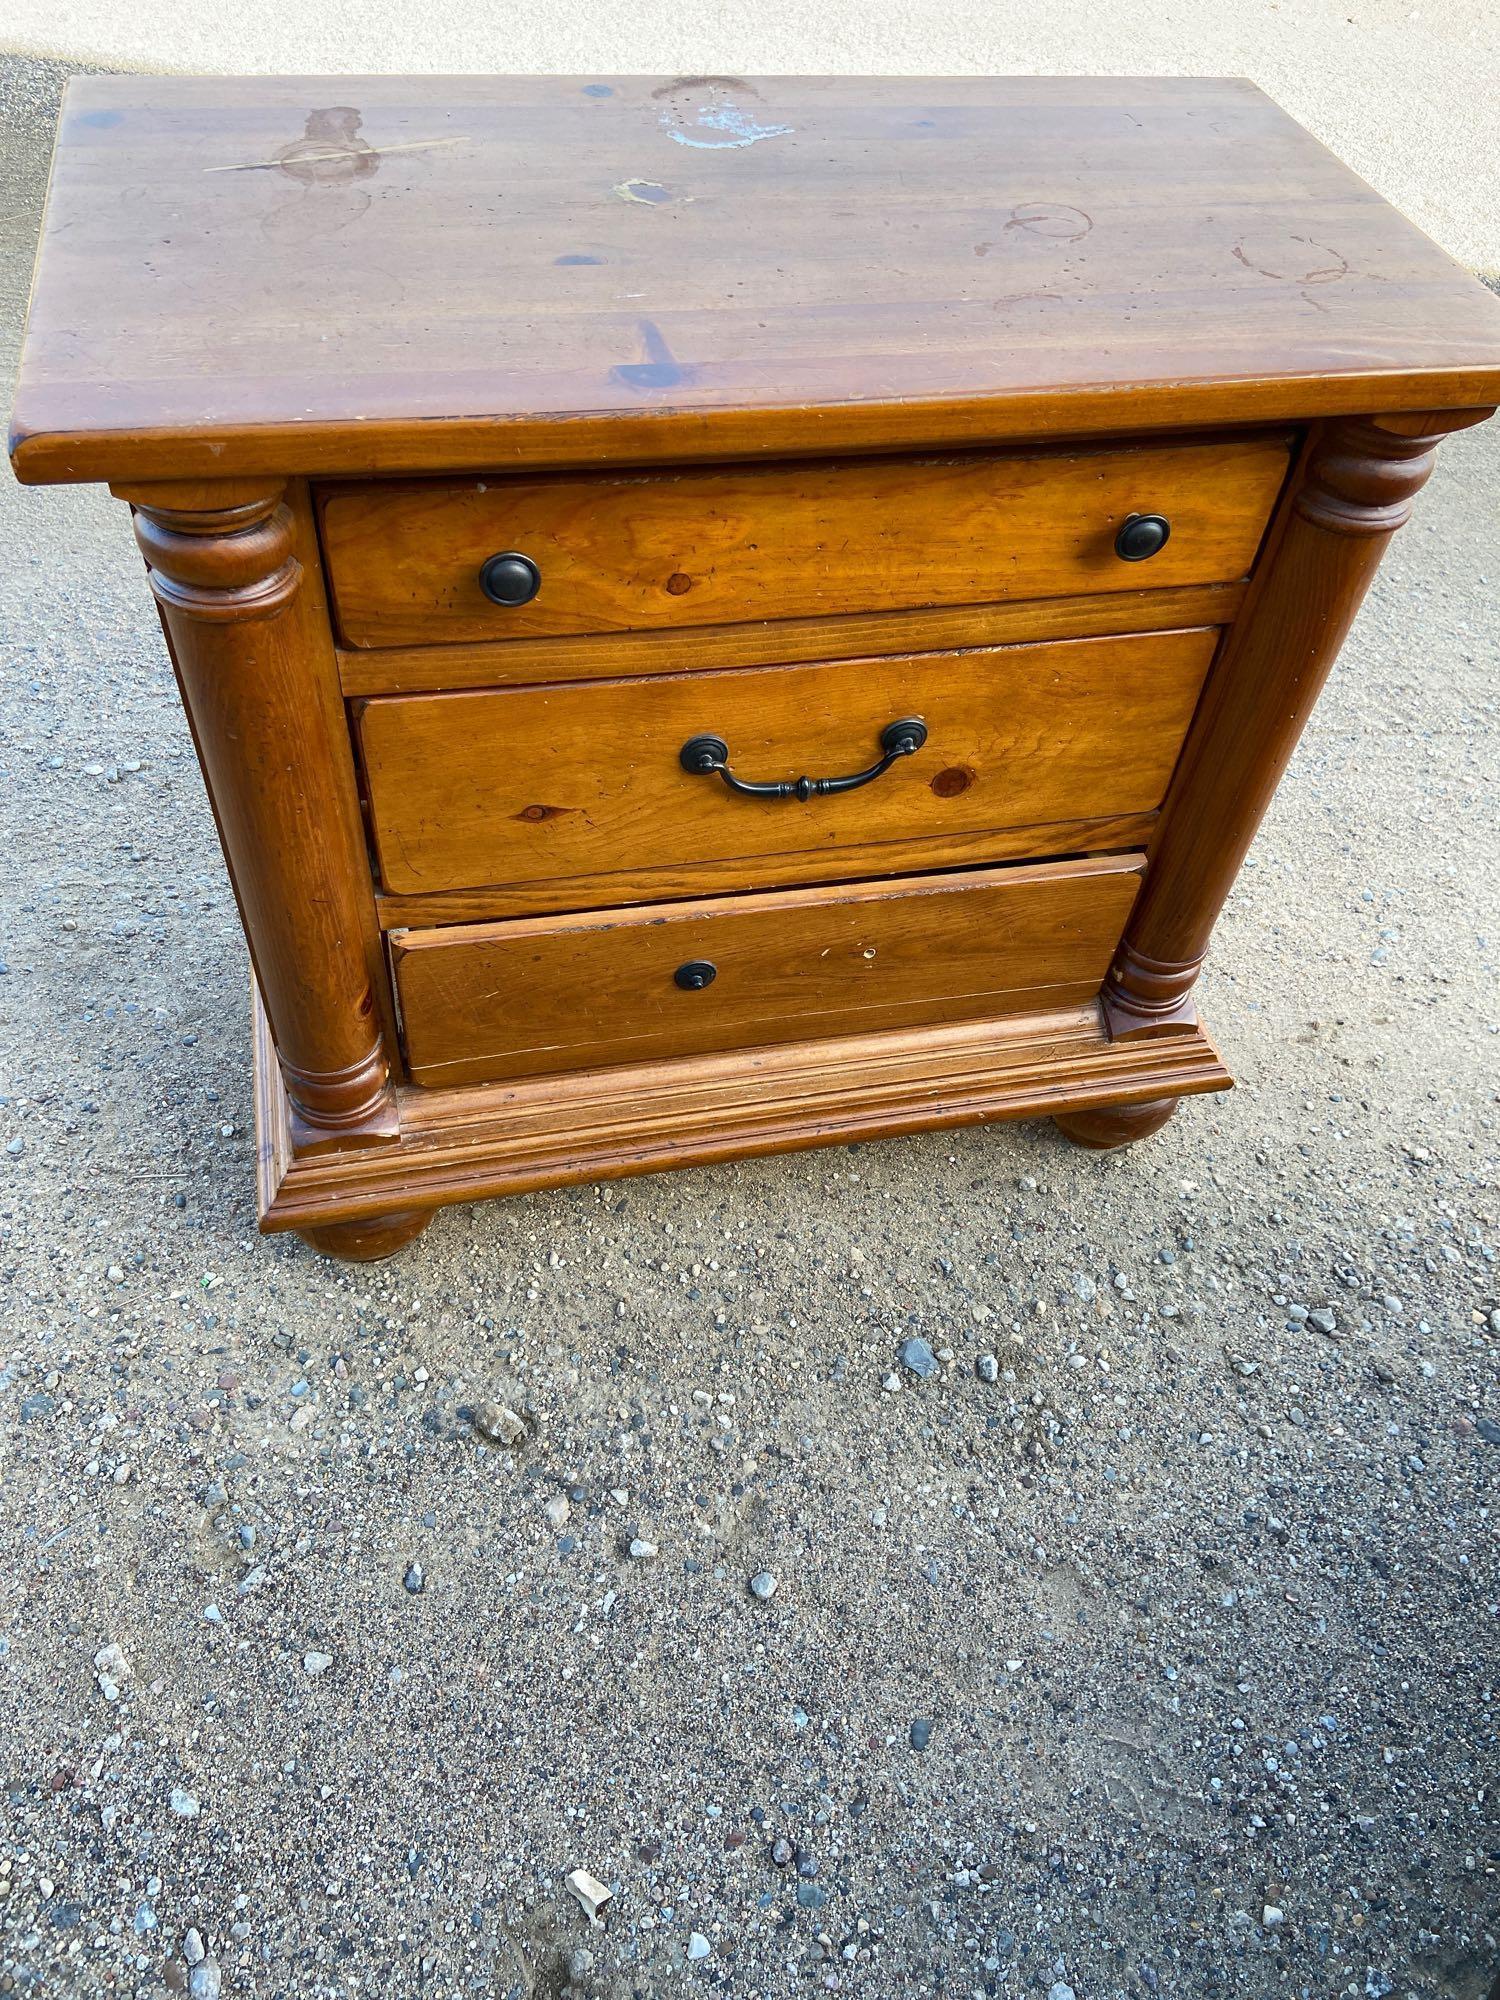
x=636 y=551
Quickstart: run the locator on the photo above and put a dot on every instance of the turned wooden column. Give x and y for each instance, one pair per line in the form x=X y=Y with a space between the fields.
x=1353 y=490
x=233 y=568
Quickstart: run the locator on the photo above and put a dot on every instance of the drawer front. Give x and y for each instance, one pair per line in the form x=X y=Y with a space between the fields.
x=633 y=551
x=522 y=785
x=484 y=1002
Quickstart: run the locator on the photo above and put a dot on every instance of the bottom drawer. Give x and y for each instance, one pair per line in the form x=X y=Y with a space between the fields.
x=483 y=1002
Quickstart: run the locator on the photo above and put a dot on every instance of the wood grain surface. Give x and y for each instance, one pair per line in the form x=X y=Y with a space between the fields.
x=362 y=274
x=553 y=783
x=556 y=993
x=656 y=551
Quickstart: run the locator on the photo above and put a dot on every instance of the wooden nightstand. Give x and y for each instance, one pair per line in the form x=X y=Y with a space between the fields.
x=721 y=616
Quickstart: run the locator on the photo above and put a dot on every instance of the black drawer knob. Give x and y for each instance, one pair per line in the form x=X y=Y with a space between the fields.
x=510 y=579
x=1142 y=535
x=695 y=975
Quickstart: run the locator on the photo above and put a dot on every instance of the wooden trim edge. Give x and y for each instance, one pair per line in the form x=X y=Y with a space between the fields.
x=480 y=1142
x=452 y=666
x=48 y=448
x=759 y=874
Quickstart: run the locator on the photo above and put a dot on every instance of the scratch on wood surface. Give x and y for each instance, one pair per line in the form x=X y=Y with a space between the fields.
x=333 y=153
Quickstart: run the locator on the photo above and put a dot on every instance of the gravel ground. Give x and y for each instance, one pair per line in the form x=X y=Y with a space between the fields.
x=344 y=1613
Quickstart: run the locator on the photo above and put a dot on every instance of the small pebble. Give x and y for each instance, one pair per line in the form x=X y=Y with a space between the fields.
x=591 y=1893
x=557 y=1511
x=642 y=1551
x=763 y=1585
x=698 y=1945
x=316 y=1663
x=919 y=1358
x=415 y=1578
x=193 y=1948
x=499 y=1424
x=183 y=1803
x=920 y=1734
x=987 y=1368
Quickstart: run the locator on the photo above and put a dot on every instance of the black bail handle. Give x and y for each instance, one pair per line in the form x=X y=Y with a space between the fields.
x=708 y=756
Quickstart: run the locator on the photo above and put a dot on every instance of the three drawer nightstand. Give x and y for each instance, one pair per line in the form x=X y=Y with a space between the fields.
x=722 y=616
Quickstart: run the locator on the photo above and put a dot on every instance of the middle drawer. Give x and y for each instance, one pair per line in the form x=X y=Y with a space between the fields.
x=526 y=785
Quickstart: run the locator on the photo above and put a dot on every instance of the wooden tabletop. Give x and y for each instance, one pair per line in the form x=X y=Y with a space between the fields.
x=247 y=275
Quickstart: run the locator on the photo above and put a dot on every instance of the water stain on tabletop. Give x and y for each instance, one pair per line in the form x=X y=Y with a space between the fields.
x=324 y=164
x=1292 y=260
x=650 y=194
x=709 y=114
x=1057 y=221
x=330 y=151
x=1045 y=221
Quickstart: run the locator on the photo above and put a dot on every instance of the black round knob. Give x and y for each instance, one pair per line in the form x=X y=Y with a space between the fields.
x=695 y=975
x=510 y=579
x=1142 y=535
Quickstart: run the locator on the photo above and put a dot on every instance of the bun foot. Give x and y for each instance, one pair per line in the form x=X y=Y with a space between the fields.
x=366 y=1242
x=1115 y=1124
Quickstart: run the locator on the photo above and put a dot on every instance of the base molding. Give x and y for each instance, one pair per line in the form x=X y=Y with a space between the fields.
x=498 y=1139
